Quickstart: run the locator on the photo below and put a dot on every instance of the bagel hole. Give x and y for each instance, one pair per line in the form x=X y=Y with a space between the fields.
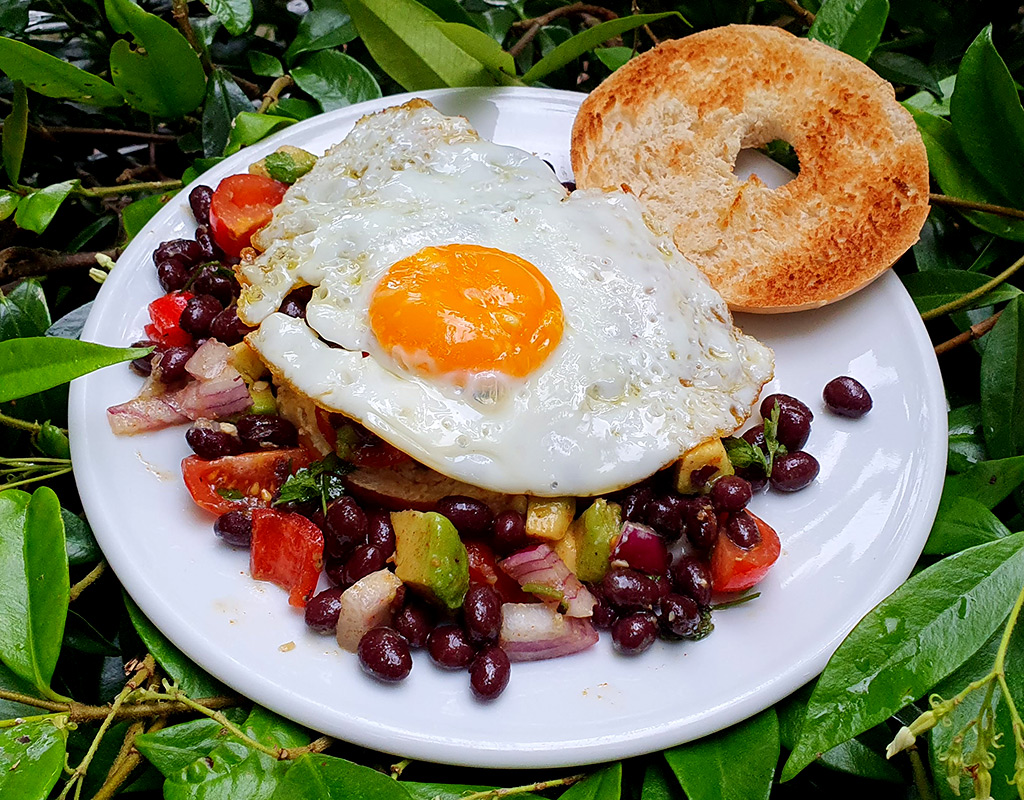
x=780 y=151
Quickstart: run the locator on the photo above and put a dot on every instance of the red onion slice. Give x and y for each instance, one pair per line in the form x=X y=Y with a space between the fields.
x=534 y=631
x=540 y=566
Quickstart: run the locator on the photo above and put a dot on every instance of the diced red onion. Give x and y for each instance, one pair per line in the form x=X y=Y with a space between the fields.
x=540 y=565
x=209 y=360
x=642 y=549
x=534 y=631
x=367 y=603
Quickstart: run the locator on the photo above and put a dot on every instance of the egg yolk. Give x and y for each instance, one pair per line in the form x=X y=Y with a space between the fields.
x=466 y=309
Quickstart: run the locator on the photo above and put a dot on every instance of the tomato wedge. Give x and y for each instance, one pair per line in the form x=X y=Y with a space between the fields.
x=241 y=205
x=287 y=550
x=734 y=569
x=484 y=569
x=239 y=483
x=165 y=313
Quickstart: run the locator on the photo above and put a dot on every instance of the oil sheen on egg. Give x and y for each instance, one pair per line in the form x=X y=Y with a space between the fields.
x=495 y=328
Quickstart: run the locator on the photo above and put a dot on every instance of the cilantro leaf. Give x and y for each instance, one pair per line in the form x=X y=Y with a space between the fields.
x=742 y=454
x=771 y=437
x=230 y=494
x=319 y=482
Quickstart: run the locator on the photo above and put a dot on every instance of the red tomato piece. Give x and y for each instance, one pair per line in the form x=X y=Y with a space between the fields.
x=483 y=569
x=241 y=205
x=166 y=327
x=734 y=569
x=238 y=483
x=287 y=550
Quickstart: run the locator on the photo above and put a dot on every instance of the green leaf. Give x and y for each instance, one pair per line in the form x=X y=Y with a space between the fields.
x=904 y=70
x=403 y=40
x=15 y=133
x=30 y=365
x=614 y=57
x=53 y=77
x=37 y=210
x=329 y=778
x=735 y=764
x=326 y=27
x=295 y=108
x=193 y=680
x=584 y=42
x=199 y=166
x=34 y=574
x=33 y=757
x=937 y=287
x=235 y=15
x=1002 y=384
x=137 y=214
x=172 y=749
x=966 y=442
x=224 y=101
x=167 y=79
x=8 y=203
x=24 y=311
x=963 y=523
x=335 y=80
x=605 y=784
x=78 y=540
x=989 y=482
x=9 y=709
x=249 y=127
x=264 y=64
x=450 y=11
x=925 y=101
x=957 y=177
x=660 y=783
x=84 y=236
x=14 y=16
x=853 y=26
x=52 y=441
x=988 y=119
x=911 y=640
x=483 y=48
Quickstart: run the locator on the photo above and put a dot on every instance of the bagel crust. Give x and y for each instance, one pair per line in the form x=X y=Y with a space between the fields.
x=669 y=124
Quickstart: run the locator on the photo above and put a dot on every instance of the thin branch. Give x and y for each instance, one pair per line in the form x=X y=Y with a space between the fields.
x=127 y=760
x=70 y=130
x=127 y=188
x=14 y=422
x=494 y=794
x=87 y=581
x=274 y=92
x=976 y=331
x=970 y=205
x=26 y=262
x=965 y=300
x=807 y=17
x=179 y=10
x=924 y=787
x=534 y=24
x=79 y=712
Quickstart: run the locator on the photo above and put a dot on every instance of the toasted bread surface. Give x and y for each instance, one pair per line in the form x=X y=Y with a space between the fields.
x=669 y=125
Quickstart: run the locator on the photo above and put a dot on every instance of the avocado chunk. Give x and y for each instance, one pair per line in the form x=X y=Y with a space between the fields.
x=263 y=401
x=430 y=557
x=286 y=164
x=600 y=528
x=706 y=462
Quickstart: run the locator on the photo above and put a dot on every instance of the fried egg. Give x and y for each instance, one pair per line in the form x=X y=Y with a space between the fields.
x=478 y=317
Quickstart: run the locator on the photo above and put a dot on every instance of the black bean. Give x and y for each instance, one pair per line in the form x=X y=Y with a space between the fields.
x=345 y=527
x=235 y=528
x=680 y=616
x=634 y=506
x=570 y=186
x=212 y=442
x=489 y=672
x=322 y=610
x=701 y=523
x=628 y=589
x=414 y=623
x=262 y=431
x=199 y=200
x=228 y=328
x=172 y=274
x=692 y=577
x=509 y=531
x=449 y=647
x=384 y=654
x=754 y=475
x=365 y=559
x=755 y=437
x=187 y=250
x=144 y=364
x=215 y=280
x=794 y=420
x=635 y=633
x=604 y=615
x=847 y=397
x=205 y=240
x=731 y=493
x=380 y=531
x=294 y=304
x=665 y=515
x=481 y=613
x=794 y=471
x=199 y=313
x=742 y=530
x=470 y=517
x=172 y=363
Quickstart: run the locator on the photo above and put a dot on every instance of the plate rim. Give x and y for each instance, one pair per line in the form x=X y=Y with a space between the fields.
x=581 y=751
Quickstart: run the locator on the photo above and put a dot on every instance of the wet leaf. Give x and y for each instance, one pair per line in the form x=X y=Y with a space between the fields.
x=8 y=203
x=966 y=441
x=605 y=784
x=235 y=15
x=249 y=128
x=326 y=27
x=937 y=287
x=335 y=80
x=853 y=26
x=988 y=482
x=1002 y=384
x=172 y=749
x=963 y=523
x=911 y=640
x=30 y=365
x=329 y=778
x=224 y=101
x=37 y=210
x=32 y=755
x=53 y=77
x=15 y=133
x=34 y=574
x=735 y=764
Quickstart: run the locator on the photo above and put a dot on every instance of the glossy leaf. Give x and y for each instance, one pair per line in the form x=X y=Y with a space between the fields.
x=79 y=542
x=24 y=312
x=904 y=70
x=958 y=178
x=31 y=365
x=71 y=324
x=191 y=678
x=265 y=64
x=735 y=764
x=450 y=11
x=660 y=783
x=326 y=27
x=9 y=709
x=937 y=287
x=605 y=784
x=614 y=57
x=295 y=108
x=52 y=441
x=34 y=574
x=137 y=214
x=963 y=523
x=172 y=749
x=335 y=80
x=853 y=26
x=925 y=101
x=911 y=640
x=404 y=40
x=248 y=128
x=166 y=80
x=37 y=210
x=1002 y=384
x=33 y=757
x=8 y=203
x=586 y=41
x=988 y=482
x=53 y=77
x=234 y=15
x=988 y=119
x=329 y=778
x=224 y=101
x=15 y=133
x=483 y=48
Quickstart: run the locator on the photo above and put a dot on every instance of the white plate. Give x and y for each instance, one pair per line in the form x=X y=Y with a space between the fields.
x=848 y=540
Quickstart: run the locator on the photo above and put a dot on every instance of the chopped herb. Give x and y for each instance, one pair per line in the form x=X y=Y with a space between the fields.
x=319 y=482
x=231 y=494
x=737 y=602
x=743 y=454
x=771 y=437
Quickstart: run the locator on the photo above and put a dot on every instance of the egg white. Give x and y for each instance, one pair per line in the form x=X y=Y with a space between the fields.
x=649 y=364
